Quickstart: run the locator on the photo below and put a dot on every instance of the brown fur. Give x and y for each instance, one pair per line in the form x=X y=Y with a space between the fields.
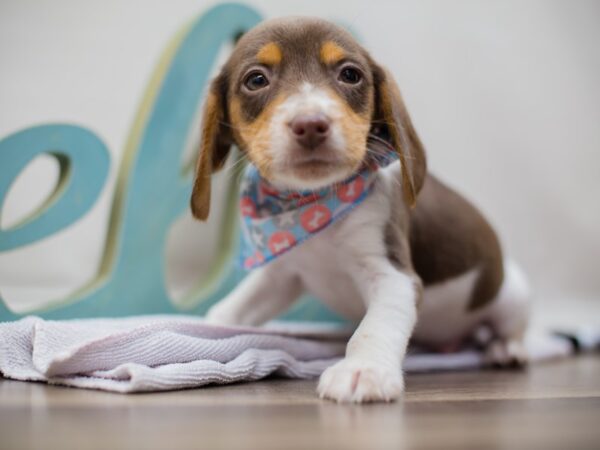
x=391 y=113
x=449 y=236
x=254 y=136
x=215 y=142
x=355 y=127
x=269 y=54
x=444 y=237
x=331 y=53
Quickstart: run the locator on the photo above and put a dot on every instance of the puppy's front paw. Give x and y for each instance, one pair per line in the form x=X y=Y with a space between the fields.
x=508 y=353
x=219 y=316
x=359 y=381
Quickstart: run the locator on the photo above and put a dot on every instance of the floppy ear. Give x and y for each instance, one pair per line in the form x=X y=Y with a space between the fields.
x=215 y=143
x=392 y=119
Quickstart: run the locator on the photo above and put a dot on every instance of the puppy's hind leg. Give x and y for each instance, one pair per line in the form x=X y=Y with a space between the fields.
x=509 y=318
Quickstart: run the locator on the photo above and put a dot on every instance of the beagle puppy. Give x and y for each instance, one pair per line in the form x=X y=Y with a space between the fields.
x=406 y=258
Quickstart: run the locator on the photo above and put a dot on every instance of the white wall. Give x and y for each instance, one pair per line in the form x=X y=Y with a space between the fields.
x=505 y=95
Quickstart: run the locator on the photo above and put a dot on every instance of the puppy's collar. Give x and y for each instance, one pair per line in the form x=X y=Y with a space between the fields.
x=276 y=221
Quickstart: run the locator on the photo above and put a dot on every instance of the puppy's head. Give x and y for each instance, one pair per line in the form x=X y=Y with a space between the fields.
x=300 y=97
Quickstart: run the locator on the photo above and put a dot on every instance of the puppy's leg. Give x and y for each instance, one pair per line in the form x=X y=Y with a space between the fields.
x=372 y=368
x=509 y=317
x=261 y=296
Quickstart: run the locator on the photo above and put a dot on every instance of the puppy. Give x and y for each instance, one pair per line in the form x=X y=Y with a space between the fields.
x=406 y=258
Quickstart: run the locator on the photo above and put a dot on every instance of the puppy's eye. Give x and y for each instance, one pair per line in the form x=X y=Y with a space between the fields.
x=256 y=80
x=350 y=75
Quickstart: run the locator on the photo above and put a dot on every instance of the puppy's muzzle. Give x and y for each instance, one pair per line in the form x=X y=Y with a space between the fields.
x=310 y=130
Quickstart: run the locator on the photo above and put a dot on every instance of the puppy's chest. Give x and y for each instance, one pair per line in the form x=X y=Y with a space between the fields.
x=326 y=261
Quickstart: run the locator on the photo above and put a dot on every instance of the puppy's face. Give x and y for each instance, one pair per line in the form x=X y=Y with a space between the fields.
x=299 y=96
x=300 y=101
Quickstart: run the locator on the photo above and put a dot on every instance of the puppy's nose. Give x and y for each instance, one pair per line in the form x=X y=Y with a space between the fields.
x=310 y=129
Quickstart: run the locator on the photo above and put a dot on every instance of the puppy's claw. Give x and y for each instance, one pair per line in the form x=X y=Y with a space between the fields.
x=359 y=381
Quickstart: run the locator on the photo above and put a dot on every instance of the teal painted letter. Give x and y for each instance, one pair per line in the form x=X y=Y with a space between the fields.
x=83 y=160
x=152 y=188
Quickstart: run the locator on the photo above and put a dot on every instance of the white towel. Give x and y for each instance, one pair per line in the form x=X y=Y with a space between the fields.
x=159 y=353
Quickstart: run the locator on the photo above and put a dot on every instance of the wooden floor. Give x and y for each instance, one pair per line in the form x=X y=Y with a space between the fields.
x=551 y=406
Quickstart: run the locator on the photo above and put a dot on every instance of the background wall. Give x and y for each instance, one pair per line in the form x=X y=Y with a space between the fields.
x=505 y=95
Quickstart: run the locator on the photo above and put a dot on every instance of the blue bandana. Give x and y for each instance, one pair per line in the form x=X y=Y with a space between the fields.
x=275 y=221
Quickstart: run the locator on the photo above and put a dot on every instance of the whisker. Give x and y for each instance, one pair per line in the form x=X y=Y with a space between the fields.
x=236 y=163
x=233 y=127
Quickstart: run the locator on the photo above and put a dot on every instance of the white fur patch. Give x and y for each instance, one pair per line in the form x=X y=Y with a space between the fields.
x=308 y=100
x=444 y=317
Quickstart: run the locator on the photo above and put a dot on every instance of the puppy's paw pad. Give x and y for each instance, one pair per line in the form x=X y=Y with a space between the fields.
x=506 y=354
x=359 y=381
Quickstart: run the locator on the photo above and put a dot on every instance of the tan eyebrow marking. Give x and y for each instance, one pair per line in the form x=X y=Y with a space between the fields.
x=269 y=54
x=331 y=53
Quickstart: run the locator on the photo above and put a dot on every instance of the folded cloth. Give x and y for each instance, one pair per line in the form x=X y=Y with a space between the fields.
x=159 y=353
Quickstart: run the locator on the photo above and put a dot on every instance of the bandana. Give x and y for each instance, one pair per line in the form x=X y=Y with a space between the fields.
x=275 y=221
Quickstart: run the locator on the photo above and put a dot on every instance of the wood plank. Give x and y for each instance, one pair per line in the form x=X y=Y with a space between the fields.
x=555 y=405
